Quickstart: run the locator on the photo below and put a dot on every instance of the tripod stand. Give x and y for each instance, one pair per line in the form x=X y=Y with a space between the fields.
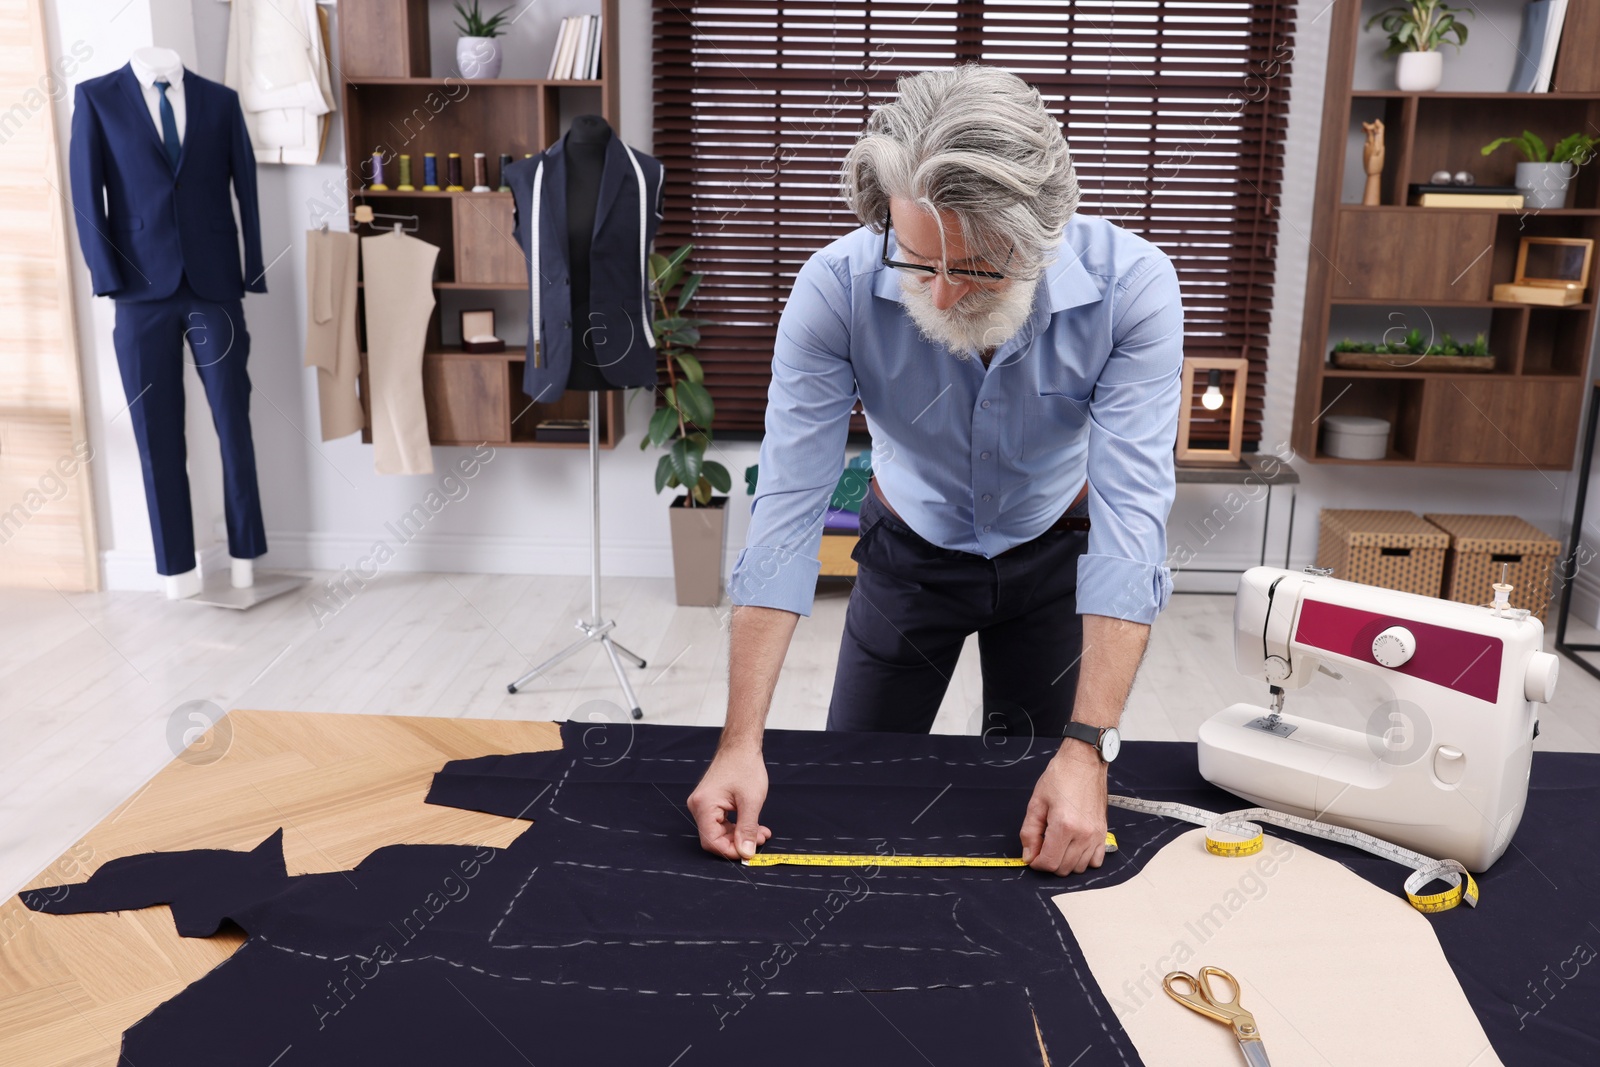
x=594 y=627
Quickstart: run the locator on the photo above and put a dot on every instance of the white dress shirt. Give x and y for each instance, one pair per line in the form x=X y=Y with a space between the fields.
x=148 y=76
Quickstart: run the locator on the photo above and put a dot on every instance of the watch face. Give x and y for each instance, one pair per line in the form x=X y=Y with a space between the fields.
x=1110 y=744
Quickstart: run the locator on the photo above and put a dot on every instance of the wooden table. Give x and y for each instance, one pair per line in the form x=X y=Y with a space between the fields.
x=340 y=786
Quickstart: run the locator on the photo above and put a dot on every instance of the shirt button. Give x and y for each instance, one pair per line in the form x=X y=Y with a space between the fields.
x=986 y=529
x=984 y=404
x=566 y=325
x=987 y=497
x=983 y=455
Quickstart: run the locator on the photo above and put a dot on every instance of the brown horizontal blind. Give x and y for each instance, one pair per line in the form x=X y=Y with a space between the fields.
x=1175 y=113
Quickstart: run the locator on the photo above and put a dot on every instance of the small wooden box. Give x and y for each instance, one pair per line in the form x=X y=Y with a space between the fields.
x=1482 y=545
x=1390 y=549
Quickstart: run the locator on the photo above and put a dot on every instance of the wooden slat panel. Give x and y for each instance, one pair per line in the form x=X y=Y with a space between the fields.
x=1175 y=113
x=47 y=534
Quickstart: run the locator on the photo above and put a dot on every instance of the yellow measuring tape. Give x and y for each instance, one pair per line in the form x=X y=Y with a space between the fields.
x=833 y=859
x=1232 y=834
x=1238 y=833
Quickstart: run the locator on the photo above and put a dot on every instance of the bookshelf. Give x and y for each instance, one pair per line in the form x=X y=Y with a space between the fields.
x=1375 y=268
x=393 y=100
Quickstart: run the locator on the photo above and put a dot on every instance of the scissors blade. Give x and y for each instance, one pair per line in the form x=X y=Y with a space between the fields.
x=1255 y=1053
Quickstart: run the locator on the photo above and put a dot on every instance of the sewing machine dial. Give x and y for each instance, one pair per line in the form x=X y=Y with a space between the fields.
x=1394 y=647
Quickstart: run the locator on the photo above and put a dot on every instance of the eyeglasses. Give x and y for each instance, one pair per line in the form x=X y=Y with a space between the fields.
x=955 y=275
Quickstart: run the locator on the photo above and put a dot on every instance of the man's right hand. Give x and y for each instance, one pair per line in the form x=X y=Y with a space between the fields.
x=726 y=805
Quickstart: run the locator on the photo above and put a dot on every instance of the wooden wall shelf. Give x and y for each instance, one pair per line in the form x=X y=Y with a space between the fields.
x=1435 y=268
x=393 y=102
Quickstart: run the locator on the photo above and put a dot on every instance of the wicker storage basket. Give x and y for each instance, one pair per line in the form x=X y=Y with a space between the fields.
x=1392 y=549
x=1481 y=545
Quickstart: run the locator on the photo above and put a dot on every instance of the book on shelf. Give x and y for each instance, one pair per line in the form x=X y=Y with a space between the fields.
x=580 y=51
x=1489 y=200
x=594 y=61
x=561 y=47
x=1542 y=21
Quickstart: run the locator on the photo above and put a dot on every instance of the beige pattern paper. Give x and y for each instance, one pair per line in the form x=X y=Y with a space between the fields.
x=1336 y=970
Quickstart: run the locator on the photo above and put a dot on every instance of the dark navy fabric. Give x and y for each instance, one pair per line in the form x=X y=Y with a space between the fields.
x=149 y=338
x=603 y=934
x=913 y=606
x=144 y=223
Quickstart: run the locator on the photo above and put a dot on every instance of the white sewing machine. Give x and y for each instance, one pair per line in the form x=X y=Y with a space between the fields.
x=1441 y=765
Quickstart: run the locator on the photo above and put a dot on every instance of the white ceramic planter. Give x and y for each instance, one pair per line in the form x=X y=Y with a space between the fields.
x=478 y=57
x=1544 y=185
x=1419 y=72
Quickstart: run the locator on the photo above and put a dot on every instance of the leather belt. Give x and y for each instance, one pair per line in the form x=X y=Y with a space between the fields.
x=1067 y=521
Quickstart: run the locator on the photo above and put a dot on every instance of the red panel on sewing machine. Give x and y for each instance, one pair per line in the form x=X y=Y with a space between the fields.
x=1456 y=659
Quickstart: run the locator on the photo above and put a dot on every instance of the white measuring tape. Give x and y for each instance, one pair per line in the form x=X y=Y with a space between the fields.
x=1236 y=833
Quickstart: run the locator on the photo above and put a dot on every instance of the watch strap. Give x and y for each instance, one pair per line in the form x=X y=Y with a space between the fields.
x=1090 y=735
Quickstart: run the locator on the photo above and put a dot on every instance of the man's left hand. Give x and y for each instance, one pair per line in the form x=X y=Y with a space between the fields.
x=1064 y=831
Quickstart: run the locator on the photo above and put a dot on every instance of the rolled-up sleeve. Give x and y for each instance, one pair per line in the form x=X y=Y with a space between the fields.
x=808 y=419
x=1133 y=417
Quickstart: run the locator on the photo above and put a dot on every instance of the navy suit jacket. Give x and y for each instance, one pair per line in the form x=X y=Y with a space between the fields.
x=143 y=225
x=619 y=316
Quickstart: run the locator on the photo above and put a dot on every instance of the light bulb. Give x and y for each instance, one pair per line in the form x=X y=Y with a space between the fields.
x=1211 y=399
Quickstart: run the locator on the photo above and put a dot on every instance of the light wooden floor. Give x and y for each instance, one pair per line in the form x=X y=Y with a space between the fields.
x=339 y=786
x=98 y=691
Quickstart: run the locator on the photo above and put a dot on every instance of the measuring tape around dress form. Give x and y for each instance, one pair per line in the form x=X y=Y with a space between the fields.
x=1233 y=833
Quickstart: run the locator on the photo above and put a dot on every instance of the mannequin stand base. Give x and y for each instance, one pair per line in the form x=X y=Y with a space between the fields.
x=220 y=592
x=593 y=631
x=182 y=586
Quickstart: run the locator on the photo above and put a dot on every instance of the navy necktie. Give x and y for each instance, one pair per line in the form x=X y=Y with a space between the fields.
x=169 y=126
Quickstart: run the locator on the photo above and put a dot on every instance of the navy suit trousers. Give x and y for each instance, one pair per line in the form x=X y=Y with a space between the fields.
x=149 y=339
x=912 y=608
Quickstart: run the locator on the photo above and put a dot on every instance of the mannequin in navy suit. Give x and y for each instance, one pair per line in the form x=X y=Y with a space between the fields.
x=156 y=224
x=594 y=204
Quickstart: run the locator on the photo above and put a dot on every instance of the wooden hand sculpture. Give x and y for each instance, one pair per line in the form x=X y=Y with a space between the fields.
x=1372 y=159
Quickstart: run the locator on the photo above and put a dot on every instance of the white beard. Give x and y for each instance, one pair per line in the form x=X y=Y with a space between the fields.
x=982 y=319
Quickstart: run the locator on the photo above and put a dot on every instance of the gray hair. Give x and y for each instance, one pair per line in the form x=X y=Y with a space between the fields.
x=978 y=142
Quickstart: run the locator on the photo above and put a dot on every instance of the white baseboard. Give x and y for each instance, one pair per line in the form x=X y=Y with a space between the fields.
x=134 y=571
x=461 y=554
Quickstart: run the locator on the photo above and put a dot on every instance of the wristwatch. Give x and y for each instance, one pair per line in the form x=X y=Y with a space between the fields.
x=1106 y=741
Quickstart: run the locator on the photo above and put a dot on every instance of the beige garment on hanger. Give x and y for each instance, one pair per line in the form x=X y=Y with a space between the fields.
x=331 y=344
x=399 y=292
x=1335 y=970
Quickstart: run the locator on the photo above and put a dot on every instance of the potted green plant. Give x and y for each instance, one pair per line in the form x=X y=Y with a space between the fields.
x=477 y=50
x=1416 y=30
x=682 y=426
x=1546 y=171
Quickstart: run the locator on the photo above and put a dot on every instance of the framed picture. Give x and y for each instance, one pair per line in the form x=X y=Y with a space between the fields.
x=1212 y=400
x=1554 y=262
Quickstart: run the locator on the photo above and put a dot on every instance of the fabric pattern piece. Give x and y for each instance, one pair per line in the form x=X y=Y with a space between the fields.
x=603 y=934
x=331 y=344
x=399 y=277
x=1312 y=945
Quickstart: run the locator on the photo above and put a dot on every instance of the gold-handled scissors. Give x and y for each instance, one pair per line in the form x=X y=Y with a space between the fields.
x=1198 y=995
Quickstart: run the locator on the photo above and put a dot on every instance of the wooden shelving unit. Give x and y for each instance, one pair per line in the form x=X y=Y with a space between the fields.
x=392 y=101
x=1377 y=267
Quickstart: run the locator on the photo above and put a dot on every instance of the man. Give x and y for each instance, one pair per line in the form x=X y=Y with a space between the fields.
x=1019 y=368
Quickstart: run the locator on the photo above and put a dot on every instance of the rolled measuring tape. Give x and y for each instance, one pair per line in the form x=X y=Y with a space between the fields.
x=1237 y=833
x=834 y=859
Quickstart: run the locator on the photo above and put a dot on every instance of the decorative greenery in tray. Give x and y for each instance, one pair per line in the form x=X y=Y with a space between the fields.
x=1415 y=345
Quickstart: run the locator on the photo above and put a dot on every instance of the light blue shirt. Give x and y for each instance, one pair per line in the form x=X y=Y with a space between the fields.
x=979 y=459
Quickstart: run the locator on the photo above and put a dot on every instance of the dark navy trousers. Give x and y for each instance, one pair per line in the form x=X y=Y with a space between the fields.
x=913 y=606
x=149 y=339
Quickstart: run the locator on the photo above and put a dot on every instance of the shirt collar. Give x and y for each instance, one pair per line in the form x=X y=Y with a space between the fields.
x=1066 y=283
x=148 y=76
